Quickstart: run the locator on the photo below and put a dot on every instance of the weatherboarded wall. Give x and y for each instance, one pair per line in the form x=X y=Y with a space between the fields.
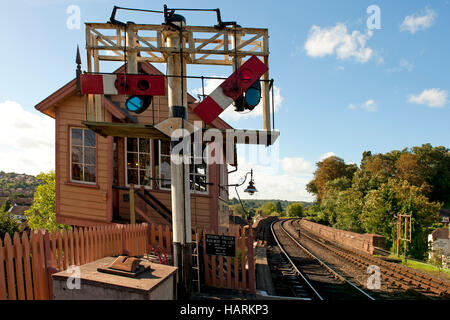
x=79 y=203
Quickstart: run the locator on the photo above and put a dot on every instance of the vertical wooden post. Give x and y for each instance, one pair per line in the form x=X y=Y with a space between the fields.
x=132 y=212
x=266 y=96
x=398 y=235
x=406 y=238
x=221 y=273
x=9 y=250
x=149 y=241
x=132 y=64
x=251 y=262
x=236 y=260
x=242 y=244
x=2 y=272
x=48 y=265
x=229 y=283
x=19 y=267
x=205 y=260
x=27 y=267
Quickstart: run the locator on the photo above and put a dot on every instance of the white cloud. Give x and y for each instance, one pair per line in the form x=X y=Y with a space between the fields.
x=229 y=113
x=326 y=155
x=338 y=40
x=287 y=184
x=27 y=142
x=415 y=22
x=369 y=105
x=296 y=166
x=406 y=64
x=402 y=65
x=430 y=97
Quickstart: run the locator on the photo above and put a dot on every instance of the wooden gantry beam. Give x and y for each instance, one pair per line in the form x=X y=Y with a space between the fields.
x=202 y=45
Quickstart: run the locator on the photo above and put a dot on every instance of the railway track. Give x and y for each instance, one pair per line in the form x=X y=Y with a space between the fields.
x=307 y=276
x=397 y=276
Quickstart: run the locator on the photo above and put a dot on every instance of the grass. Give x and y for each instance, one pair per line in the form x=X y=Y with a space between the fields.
x=428 y=268
x=443 y=273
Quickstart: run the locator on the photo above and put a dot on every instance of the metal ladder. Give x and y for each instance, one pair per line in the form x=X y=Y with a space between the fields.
x=196 y=265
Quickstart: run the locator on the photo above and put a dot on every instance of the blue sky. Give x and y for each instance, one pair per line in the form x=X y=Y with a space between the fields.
x=342 y=89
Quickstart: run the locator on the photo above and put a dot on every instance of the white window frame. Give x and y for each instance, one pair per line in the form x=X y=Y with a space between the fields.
x=138 y=170
x=190 y=173
x=82 y=163
x=159 y=167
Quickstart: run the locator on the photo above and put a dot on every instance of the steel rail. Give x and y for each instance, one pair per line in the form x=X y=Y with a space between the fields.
x=293 y=264
x=395 y=274
x=332 y=271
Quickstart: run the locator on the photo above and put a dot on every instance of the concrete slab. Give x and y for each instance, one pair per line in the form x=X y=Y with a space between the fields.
x=157 y=284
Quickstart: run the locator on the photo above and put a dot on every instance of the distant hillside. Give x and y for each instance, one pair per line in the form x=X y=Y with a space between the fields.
x=254 y=204
x=17 y=185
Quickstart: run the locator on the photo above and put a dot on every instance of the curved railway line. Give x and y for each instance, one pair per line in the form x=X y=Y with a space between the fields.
x=396 y=276
x=309 y=267
x=307 y=276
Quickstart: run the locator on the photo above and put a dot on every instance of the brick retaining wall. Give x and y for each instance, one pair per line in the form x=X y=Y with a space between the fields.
x=361 y=242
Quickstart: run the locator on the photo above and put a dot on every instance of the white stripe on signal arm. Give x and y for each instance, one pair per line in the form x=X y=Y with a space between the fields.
x=220 y=98
x=108 y=84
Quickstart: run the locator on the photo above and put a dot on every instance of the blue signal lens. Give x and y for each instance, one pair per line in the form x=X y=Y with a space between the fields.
x=134 y=103
x=138 y=104
x=252 y=97
x=253 y=94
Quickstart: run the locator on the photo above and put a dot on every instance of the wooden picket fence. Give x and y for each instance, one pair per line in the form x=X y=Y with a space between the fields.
x=28 y=261
x=236 y=272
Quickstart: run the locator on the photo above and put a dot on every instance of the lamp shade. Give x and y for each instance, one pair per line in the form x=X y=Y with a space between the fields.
x=251 y=188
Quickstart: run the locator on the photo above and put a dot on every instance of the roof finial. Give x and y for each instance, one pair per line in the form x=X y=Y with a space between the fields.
x=78 y=71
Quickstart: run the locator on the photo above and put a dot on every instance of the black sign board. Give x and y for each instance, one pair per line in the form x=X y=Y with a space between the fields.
x=220 y=245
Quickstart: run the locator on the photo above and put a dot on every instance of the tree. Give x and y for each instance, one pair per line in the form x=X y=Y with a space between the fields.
x=393 y=197
x=237 y=209
x=41 y=214
x=6 y=206
x=410 y=181
x=294 y=210
x=375 y=170
x=348 y=210
x=278 y=207
x=8 y=225
x=435 y=163
x=409 y=169
x=268 y=208
x=327 y=170
x=234 y=201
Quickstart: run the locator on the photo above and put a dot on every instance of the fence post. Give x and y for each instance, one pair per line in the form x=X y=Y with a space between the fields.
x=251 y=262
x=132 y=212
x=124 y=242
x=149 y=241
x=48 y=264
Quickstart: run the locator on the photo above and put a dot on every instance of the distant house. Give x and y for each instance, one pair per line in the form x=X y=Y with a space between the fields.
x=235 y=222
x=18 y=212
x=23 y=201
x=439 y=241
x=444 y=216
